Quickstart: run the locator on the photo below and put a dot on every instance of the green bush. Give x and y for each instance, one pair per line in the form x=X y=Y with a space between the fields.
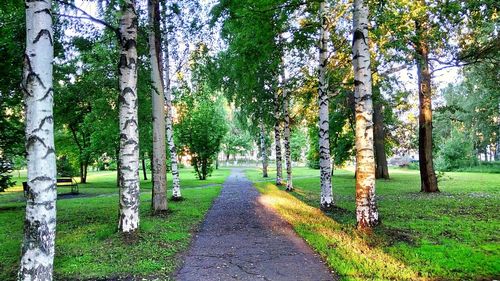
x=457 y=152
x=64 y=167
x=5 y=177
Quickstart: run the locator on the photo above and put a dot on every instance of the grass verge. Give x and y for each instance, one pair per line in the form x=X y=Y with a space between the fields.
x=452 y=235
x=87 y=244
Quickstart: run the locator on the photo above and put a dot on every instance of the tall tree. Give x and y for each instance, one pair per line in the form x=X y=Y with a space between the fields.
x=382 y=171
x=286 y=129
x=277 y=138
x=428 y=177
x=366 y=209
x=326 y=202
x=263 y=148
x=40 y=222
x=159 y=200
x=129 y=135
x=167 y=91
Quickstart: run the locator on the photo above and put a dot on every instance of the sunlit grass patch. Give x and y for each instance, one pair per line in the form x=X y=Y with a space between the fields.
x=346 y=252
x=451 y=235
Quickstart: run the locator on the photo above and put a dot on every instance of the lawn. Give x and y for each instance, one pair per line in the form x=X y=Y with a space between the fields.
x=87 y=244
x=451 y=235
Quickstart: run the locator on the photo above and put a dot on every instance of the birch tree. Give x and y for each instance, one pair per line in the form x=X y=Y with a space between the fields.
x=286 y=130
x=159 y=200
x=326 y=202
x=263 y=148
x=277 y=139
x=129 y=135
x=37 y=255
x=366 y=210
x=167 y=92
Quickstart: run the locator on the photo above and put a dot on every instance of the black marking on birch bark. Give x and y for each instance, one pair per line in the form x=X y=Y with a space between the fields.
x=41 y=33
x=49 y=92
x=128 y=90
x=46 y=10
x=31 y=76
x=42 y=122
x=130 y=121
x=129 y=43
x=32 y=139
x=358 y=34
x=50 y=151
x=358 y=83
x=130 y=142
x=357 y=56
x=122 y=100
x=122 y=63
x=41 y=178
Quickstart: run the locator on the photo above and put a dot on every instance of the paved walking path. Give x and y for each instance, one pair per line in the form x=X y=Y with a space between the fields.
x=242 y=240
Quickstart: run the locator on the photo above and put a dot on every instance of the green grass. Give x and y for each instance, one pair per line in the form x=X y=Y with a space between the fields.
x=452 y=235
x=87 y=244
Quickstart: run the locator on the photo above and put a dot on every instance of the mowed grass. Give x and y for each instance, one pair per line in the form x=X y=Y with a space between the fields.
x=451 y=235
x=87 y=242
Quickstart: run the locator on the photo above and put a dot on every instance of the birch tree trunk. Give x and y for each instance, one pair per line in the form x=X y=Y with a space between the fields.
x=159 y=200
x=277 y=140
x=176 y=184
x=263 y=150
x=129 y=135
x=326 y=202
x=366 y=209
x=428 y=180
x=286 y=130
x=37 y=255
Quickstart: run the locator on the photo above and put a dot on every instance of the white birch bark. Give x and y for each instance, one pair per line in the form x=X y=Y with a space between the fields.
x=176 y=184
x=286 y=129
x=129 y=135
x=366 y=210
x=326 y=201
x=159 y=200
x=277 y=139
x=263 y=150
x=37 y=255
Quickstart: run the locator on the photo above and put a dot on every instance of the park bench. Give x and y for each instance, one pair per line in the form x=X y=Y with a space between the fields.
x=65 y=181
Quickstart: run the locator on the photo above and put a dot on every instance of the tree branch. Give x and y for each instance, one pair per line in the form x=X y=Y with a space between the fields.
x=115 y=29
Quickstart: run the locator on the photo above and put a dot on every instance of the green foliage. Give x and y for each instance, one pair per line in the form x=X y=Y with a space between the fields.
x=313 y=152
x=201 y=129
x=457 y=152
x=5 y=174
x=64 y=167
x=298 y=144
x=237 y=141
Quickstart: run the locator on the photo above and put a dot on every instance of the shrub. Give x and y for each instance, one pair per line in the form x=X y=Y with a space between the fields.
x=457 y=152
x=5 y=176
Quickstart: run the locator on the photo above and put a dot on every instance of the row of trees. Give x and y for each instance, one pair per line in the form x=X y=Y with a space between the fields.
x=88 y=110
x=269 y=69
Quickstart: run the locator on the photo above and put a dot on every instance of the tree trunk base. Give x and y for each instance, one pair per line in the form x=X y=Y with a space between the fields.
x=368 y=226
x=327 y=207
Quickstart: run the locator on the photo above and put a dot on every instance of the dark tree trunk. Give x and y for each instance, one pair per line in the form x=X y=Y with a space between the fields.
x=145 y=174
x=381 y=169
x=427 y=175
x=117 y=165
